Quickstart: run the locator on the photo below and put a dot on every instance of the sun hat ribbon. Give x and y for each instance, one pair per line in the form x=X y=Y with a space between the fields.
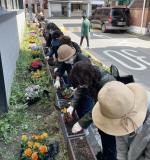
x=126 y=118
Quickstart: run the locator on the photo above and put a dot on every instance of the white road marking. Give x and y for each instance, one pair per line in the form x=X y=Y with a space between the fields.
x=124 y=54
x=101 y=36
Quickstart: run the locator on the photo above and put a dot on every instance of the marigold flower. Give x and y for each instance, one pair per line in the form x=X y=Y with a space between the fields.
x=28 y=152
x=34 y=156
x=64 y=110
x=24 y=138
x=41 y=137
x=36 y=145
x=45 y=135
x=30 y=144
x=43 y=149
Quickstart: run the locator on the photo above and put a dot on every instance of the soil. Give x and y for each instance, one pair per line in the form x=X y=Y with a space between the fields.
x=81 y=149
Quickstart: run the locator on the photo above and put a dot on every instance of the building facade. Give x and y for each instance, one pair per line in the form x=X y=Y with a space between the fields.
x=72 y=8
x=12 y=22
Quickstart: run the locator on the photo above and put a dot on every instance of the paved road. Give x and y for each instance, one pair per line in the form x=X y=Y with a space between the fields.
x=130 y=53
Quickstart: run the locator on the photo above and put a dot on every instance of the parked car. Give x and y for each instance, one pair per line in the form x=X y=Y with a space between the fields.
x=114 y=18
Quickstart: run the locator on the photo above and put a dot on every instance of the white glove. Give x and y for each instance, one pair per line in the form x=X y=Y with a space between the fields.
x=57 y=84
x=76 y=128
x=47 y=58
x=55 y=70
x=70 y=110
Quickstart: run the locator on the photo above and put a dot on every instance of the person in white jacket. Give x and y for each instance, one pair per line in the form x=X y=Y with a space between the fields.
x=124 y=111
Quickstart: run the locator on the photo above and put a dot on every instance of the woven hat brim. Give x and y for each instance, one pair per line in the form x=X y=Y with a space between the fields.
x=113 y=126
x=72 y=53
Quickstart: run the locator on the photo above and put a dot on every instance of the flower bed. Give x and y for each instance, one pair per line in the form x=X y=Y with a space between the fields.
x=80 y=149
x=24 y=119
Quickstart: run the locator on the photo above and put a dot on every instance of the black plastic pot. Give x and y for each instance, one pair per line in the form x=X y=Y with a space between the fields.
x=33 y=101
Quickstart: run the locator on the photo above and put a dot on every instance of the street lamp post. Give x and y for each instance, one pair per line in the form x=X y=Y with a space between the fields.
x=142 y=18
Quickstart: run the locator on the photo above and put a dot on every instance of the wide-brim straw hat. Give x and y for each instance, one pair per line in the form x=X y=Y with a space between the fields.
x=65 y=52
x=120 y=109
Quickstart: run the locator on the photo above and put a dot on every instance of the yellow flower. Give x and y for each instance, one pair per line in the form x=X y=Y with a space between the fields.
x=36 y=145
x=64 y=110
x=24 y=138
x=45 y=135
x=30 y=144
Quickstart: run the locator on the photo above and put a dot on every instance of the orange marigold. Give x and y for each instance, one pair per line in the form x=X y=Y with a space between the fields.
x=34 y=156
x=43 y=149
x=36 y=145
x=28 y=152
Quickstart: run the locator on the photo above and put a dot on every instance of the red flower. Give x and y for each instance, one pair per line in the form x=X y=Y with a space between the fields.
x=36 y=64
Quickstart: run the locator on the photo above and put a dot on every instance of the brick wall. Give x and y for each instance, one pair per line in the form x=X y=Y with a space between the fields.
x=136 y=13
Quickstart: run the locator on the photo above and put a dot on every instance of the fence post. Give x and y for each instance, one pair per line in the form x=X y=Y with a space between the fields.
x=3 y=99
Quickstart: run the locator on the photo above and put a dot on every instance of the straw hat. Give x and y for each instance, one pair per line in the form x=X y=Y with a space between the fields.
x=121 y=108
x=65 y=52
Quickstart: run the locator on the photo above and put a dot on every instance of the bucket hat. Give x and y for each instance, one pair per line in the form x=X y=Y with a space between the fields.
x=65 y=52
x=120 y=109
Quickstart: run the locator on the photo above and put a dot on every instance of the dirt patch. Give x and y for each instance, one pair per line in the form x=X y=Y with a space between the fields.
x=81 y=149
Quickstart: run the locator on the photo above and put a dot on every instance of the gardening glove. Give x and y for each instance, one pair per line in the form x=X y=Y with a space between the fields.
x=57 y=84
x=55 y=70
x=47 y=58
x=76 y=128
x=70 y=110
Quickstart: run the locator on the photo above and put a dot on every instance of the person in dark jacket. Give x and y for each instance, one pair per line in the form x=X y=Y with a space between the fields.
x=55 y=43
x=68 y=57
x=88 y=80
x=67 y=40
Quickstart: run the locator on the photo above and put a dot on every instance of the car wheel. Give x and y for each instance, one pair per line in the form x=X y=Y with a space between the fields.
x=103 y=28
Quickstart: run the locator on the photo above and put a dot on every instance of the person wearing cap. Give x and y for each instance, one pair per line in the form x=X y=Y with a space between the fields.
x=89 y=79
x=85 y=30
x=67 y=56
x=124 y=111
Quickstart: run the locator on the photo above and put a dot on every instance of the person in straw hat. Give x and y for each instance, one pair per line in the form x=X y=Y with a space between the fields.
x=124 y=111
x=88 y=80
x=68 y=56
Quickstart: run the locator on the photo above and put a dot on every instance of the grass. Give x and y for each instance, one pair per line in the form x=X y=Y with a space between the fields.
x=23 y=119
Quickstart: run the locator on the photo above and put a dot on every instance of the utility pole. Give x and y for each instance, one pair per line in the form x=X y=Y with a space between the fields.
x=142 y=18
